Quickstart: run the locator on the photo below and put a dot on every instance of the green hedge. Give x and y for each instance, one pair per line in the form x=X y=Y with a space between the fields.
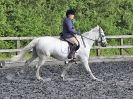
x=44 y=17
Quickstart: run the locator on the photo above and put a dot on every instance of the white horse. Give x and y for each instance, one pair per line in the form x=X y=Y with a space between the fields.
x=44 y=47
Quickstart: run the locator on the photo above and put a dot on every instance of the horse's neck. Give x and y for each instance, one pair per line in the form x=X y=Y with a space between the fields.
x=89 y=42
x=91 y=37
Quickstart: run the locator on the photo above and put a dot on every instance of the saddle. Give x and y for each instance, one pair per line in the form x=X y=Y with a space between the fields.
x=73 y=48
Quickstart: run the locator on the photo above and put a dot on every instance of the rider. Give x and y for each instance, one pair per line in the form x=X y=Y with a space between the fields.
x=69 y=33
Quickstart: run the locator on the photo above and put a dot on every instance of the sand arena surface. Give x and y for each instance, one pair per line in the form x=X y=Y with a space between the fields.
x=21 y=82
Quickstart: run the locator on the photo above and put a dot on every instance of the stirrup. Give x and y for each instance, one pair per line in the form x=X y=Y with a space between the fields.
x=72 y=60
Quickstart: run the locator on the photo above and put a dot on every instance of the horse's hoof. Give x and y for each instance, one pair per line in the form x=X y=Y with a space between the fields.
x=44 y=80
x=62 y=76
x=99 y=80
x=66 y=62
x=36 y=66
x=72 y=61
x=69 y=79
x=2 y=63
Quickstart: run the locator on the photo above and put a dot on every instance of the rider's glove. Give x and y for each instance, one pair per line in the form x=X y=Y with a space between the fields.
x=78 y=33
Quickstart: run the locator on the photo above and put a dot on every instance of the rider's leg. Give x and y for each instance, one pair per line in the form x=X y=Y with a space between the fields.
x=73 y=48
x=72 y=51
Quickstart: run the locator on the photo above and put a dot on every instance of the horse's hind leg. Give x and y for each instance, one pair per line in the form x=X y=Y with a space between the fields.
x=64 y=73
x=34 y=56
x=41 y=63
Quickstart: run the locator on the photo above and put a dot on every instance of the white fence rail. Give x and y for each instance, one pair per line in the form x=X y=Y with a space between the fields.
x=121 y=46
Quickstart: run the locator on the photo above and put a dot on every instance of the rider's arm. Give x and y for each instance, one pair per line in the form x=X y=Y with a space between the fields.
x=71 y=27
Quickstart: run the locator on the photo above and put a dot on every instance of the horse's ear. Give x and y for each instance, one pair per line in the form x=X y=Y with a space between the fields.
x=98 y=26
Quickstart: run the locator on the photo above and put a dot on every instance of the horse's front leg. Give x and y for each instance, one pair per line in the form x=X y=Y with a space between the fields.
x=85 y=63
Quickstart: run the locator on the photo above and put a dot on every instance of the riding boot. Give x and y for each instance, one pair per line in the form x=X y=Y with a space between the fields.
x=72 y=51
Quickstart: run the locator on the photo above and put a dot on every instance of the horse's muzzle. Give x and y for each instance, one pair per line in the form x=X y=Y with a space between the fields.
x=103 y=44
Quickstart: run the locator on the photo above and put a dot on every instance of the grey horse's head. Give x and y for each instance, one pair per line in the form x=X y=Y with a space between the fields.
x=101 y=37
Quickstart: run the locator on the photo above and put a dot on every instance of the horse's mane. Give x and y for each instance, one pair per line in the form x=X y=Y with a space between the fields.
x=92 y=30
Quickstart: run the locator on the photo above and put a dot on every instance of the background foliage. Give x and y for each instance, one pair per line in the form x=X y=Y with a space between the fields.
x=44 y=17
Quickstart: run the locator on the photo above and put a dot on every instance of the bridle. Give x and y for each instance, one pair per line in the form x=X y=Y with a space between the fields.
x=100 y=37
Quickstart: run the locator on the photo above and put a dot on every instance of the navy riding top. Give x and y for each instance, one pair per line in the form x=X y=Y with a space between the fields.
x=68 y=29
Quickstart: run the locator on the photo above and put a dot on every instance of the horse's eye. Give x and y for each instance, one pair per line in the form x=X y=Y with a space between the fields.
x=102 y=35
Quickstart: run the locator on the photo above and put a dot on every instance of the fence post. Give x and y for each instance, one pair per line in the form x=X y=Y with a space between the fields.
x=18 y=45
x=97 y=50
x=121 y=49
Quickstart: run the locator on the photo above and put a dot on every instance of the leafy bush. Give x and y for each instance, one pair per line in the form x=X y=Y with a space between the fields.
x=44 y=17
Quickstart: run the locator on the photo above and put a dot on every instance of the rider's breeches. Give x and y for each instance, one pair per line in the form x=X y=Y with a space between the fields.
x=73 y=40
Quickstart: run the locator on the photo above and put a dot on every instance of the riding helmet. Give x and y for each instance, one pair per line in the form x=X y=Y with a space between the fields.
x=71 y=11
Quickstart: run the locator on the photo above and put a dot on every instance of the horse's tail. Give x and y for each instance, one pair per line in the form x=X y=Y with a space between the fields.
x=24 y=50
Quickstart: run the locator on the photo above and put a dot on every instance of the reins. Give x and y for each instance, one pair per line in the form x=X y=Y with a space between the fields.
x=87 y=38
x=90 y=38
